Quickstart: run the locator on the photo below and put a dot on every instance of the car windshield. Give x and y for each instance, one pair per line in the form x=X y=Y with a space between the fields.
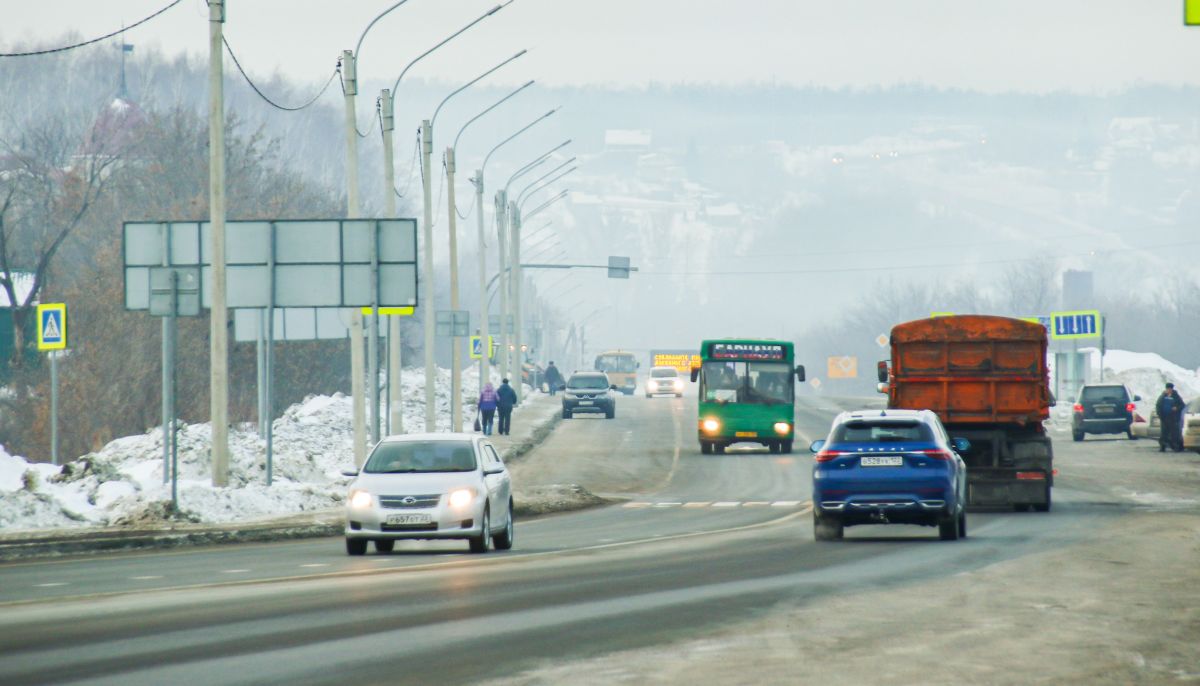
x=403 y=457
x=616 y=363
x=1103 y=394
x=880 y=432
x=663 y=373
x=763 y=383
x=588 y=382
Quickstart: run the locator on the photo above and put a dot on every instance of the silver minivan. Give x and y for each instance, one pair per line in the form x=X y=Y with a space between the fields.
x=430 y=486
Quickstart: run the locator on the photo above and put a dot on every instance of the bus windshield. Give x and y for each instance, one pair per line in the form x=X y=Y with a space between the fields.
x=761 y=383
x=616 y=363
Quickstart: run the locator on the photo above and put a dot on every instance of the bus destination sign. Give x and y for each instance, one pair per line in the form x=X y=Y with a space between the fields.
x=747 y=351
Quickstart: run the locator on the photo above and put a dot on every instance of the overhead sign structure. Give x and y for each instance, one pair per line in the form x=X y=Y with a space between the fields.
x=843 y=367
x=52 y=326
x=477 y=347
x=1070 y=325
x=618 y=267
x=292 y=263
x=452 y=323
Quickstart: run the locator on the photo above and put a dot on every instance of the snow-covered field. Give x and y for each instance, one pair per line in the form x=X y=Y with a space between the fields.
x=123 y=482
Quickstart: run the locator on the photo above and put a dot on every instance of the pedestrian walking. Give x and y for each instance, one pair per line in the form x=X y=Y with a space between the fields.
x=553 y=377
x=1169 y=407
x=506 y=398
x=488 y=399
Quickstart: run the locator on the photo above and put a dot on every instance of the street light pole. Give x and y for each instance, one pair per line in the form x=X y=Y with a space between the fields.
x=350 y=91
x=218 y=331
x=394 y=397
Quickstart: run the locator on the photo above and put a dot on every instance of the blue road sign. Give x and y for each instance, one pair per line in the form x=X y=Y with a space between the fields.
x=1068 y=325
x=52 y=326
x=477 y=347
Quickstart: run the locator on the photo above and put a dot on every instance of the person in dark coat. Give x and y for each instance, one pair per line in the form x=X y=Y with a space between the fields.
x=488 y=402
x=553 y=377
x=506 y=398
x=1170 y=417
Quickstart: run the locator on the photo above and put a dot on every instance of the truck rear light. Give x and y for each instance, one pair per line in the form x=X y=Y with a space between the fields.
x=1130 y=407
x=827 y=455
x=934 y=454
x=1031 y=476
x=1079 y=408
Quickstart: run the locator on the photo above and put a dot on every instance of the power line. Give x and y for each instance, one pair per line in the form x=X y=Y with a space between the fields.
x=94 y=40
x=411 y=167
x=269 y=101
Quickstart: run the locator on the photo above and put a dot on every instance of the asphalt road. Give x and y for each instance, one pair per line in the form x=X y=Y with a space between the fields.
x=702 y=541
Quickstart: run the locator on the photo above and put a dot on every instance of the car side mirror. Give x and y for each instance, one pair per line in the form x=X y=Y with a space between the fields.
x=349 y=472
x=612 y=388
x=695 y=374
x=961 y=445
x=1136 y=398
x=816 y=445
x=881 y=371
x=800 y=373
x=493 y=470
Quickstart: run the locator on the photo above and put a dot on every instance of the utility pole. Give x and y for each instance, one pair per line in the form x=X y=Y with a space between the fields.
x=456 y=351
x=350 y=90
x=395 y=412
x=501 y=258
x=514 y=262
x=218 y=331
x=485 y=337
x=427 y=269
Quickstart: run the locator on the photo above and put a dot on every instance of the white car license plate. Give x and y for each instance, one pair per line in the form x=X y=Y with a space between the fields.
x=881 y=461
x=585 y=402
x=408 y=519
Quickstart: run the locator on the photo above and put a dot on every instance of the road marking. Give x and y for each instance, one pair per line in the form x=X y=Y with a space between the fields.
x=667 y=504
x=698 y=504
x=315 y=564
x=785 y=503
x=755 y=503
x=148 y=577
x=52 y=584
x=234 y=571
x=637 y=504
x=727 y=503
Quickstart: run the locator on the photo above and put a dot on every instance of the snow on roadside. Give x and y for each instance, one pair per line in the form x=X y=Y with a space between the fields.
x=1145 y=373
x=123 y=482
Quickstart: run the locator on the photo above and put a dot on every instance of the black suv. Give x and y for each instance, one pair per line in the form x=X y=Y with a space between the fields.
x=589 y=392
x=1103 y=409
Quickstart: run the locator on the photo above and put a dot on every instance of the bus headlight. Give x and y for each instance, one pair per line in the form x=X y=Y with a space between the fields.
x=783 y=428
x=710 y=426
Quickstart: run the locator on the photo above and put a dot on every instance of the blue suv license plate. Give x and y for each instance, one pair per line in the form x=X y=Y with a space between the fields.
x=881 y=461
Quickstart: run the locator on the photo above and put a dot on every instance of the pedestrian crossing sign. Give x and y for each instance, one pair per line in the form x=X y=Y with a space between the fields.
x=52 y=326
x=477 y=347
x=1191 y=12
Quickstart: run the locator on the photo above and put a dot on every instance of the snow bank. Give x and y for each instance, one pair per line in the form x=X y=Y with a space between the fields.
x=1144 y=373
x=123 y=482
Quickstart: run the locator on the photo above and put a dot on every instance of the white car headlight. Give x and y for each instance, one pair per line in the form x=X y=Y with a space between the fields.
x=360 y=499
x=461 y=497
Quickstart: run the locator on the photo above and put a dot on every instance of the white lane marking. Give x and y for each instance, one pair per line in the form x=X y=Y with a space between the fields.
x=637 y=504
x=147 y=577
x=755 y=503
x=315 y=564
x=785 y=503
x=698 y=504
x=51 y=584
x=234 y=571
x=667 y=504
x=727 y=503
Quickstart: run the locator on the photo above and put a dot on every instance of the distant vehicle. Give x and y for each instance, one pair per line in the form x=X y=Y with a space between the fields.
x=430 y=486
x=747 y=394
x=664 y=380
x=1103 y=409
x=889 y=467
x=621 y=367
x=532 y=375
x=589 y=392
x=987 y=380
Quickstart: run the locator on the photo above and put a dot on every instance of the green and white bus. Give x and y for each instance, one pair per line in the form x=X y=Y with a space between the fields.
x=747 y=394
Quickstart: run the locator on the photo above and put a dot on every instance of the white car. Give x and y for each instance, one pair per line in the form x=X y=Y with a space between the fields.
x=664 y=380
x=430 y=486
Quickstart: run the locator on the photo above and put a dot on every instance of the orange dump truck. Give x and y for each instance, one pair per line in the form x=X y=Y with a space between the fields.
x=986 y=378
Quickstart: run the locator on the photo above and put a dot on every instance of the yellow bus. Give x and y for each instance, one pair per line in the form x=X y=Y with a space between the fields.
x=621 y=367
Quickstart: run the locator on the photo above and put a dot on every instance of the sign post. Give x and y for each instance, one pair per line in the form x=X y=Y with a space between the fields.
x=52 y=337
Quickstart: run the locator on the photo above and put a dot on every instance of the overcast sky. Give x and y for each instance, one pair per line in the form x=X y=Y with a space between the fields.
x=990 y=45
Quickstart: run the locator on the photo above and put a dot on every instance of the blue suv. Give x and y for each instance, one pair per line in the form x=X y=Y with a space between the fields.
x=889 y=467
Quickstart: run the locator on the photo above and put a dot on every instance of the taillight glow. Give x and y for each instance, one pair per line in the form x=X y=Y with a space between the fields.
x=1031 y=476
x=827 y=455
x=934 y=454
x=1078 y=407
x=1130 y=407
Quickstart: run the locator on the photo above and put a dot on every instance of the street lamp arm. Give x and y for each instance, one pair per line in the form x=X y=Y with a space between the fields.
x=537 y=161
x=494 y=106
x=381 y=15
x=433 y=119
x=548 y=203
x=445 y=40
x=518 y=133
x=522 y=195
x=544 y=185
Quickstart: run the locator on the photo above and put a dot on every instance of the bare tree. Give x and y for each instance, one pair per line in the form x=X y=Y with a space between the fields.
x=1028 y=288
